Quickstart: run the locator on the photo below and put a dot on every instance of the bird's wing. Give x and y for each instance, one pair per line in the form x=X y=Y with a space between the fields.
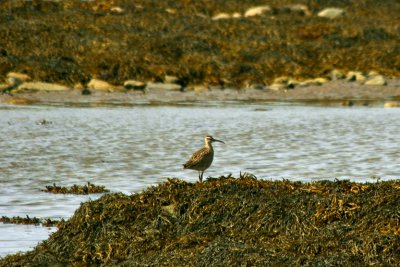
x=196 y=158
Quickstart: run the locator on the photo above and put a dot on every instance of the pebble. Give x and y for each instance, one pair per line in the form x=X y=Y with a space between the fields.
x=331 y=13
x=257 y=11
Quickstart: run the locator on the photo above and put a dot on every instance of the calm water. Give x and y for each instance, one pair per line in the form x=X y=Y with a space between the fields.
x=127 y=149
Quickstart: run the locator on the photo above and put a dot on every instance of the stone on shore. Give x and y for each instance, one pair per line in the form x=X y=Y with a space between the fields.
x=391 y=104
x=171 y=79
x=280 y=83
x=331 y=13
x=355 y=76
x=163 y=86
x=313 y=82
x=96 y=84
x=296 y=9
x=16 y=78
x=41 y=86
x=220 y=16
x=257 y=11
x=337 y=75
x=135 y=85
x=376 y=80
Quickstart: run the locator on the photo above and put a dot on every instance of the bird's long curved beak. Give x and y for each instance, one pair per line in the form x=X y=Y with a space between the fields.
x=215 y=140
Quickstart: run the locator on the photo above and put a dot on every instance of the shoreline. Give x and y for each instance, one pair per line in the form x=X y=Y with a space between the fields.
x=338 y=92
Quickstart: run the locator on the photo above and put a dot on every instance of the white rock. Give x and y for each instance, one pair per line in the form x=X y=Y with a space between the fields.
x=236 y=15
x=163 y=86
x=16 y=78
x=376 y=80
x=116 y=9
x=41 y=86
x=281 y=79
x=355 y=76
x=278 y=86
x=391 y=104
x=331 y=13
x=133 y=84
x=315 y=81
x=221 y=16
x=298 y=8
x=337 y=75
x=257 y=11
x=101 y=85
x=171 y=79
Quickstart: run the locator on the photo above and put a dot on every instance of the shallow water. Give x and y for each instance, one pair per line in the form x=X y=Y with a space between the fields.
x=129 y=148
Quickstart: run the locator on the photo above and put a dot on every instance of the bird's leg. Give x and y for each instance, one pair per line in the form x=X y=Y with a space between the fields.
x=201 y=176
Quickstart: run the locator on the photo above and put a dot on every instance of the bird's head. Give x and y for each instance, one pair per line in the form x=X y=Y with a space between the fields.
x=209 y=139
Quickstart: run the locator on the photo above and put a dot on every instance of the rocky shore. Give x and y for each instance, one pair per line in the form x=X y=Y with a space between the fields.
x=230 y=221
x=354 y=88
x=195 y=45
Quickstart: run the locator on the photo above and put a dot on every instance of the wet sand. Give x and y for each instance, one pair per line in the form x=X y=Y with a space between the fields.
x=334 y=92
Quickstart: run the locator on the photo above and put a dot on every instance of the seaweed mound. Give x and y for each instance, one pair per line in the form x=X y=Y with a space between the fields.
x=226 y=221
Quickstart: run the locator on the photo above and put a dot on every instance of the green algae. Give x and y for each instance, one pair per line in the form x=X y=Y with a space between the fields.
x=226 y=221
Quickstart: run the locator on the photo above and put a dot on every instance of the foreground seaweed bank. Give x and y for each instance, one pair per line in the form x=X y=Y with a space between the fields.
x=227 y=221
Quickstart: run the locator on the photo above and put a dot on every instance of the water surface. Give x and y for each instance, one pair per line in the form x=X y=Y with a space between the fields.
x=130 y=148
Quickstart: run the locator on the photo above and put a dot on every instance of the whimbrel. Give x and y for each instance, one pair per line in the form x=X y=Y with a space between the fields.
x=201 y=160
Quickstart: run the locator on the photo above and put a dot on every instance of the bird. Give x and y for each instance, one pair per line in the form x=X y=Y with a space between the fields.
x=201 y=160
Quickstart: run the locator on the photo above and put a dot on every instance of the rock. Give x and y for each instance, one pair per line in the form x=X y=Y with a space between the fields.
x=315 y=81
x=5 y=87
x=373 y=73
x=86 y=91
x=221 y=16
x=331 y=13
x=236 y=15
x=337 y=75
x=198 y=88
x=16 y=78
x=96 y=84
x=391 y=104
x=278 y=86
x=171 y=79
x=257 y=11
x=79 y=86
x=376 y=80
x=292 y=83
x=355 y=76
x=133 y=84
x=279 y=83
x=295 y=9
x=164 y=86
x=116 y=9
x=41 y=86
x=256 y=86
